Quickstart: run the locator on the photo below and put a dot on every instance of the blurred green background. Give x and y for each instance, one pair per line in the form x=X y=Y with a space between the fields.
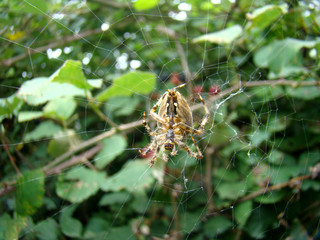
x=77 y=76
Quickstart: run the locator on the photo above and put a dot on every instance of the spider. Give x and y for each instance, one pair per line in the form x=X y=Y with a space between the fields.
x=174 y=123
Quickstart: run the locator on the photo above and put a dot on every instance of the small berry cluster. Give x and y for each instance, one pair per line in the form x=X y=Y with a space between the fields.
x=214 y=89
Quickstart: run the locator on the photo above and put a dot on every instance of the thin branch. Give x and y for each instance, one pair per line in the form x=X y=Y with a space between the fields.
x=91 y=142
x=291 y=183
x=75 y=160
x=20 y=155
x=12 y=159
x=243 y=85
x=56 y=43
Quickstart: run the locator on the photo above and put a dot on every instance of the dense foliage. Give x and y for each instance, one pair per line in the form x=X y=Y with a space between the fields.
x=76 y=78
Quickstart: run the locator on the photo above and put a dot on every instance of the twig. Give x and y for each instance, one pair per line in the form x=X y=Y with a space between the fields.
x=82 y=158
x=243 y=84
x=292 y=182
x=23 y=158
x=91 y=142
x=75 y=160
x=12 y=159
x=8 y=62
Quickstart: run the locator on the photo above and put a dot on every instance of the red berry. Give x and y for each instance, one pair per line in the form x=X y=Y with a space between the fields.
x=214 y=89
x=198 y=89
x=175 y=79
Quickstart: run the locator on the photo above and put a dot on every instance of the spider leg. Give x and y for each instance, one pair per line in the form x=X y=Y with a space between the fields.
x=151 y=147
x=154 y=158
x=153 y=111
x=174 y=151
x=157 y=117
x=146 y=125
x=165 y=157
x=197 y=155
x=197 y=147
x=204 y=120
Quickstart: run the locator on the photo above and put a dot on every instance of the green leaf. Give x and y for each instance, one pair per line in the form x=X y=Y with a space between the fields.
x=242 y=212
x=139 y=202
x=304 y=93
x=284 y=173
x=217 y=225
x=60 y=109
x=276 y=124
x=71 y=72
x=298 y=231
x=259 y=221
x=129 y=84
x=30 y=192
x=141 y=5
x=308 y=159
x=40 y=90
x=96 y=228
x=181 y=160
x=30 y=6
x=276 y=157
x=10 y=106
x=270 y=197
x=222 y=133
x=283 y=58
x=232 y=190
x=46 y=129
x=310 y=184
x=124 y=232
x=225 y=36
x=62 y=141
x=122 y=106
x=79 y=183
x=114 y=198
x=29 y=115
x=95 y=83
x=10 y=228
x=111 y=148
x=266 y=15
x=258 y=137
x=267 y=93
x=134 y=176
x=70 y=226
x=47 y=230
x=190 y=222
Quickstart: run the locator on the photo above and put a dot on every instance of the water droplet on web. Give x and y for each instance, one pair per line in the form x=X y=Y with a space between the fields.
x=105 y=26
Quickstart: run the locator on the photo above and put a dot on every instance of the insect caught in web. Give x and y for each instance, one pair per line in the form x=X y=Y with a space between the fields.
x=174 y=124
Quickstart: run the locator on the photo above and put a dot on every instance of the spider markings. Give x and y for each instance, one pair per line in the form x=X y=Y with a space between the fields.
x=174 y=123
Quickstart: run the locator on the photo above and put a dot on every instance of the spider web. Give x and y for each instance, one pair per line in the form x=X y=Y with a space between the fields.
x=182 y=195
